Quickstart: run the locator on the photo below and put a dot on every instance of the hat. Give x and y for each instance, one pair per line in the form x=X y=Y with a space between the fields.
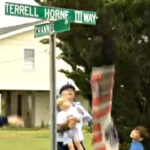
x=67 y=86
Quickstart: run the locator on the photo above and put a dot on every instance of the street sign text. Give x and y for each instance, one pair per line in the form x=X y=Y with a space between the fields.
x=51 y=28
x=53 y=13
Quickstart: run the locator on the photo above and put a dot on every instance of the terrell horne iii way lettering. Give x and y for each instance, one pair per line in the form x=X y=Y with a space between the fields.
x=27 y=10
x=54 y=13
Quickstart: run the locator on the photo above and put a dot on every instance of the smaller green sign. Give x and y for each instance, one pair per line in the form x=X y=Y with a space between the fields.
x=61 y=26
x=43 y=29
x=51 y=28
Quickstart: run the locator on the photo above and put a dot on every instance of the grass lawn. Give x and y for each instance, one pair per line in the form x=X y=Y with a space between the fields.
x=30 y=139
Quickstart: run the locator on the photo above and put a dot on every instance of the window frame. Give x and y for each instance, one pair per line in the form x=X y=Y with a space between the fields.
x=29 y=65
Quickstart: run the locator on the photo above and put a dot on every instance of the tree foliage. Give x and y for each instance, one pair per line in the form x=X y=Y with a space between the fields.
x=121 y=35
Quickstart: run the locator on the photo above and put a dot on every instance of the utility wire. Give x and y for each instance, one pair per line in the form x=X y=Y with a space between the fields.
x=20 y=59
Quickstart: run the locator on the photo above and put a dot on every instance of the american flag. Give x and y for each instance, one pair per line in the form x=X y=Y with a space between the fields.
x=104 y=133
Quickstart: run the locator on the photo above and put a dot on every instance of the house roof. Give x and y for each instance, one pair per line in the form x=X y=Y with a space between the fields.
x=11 y=30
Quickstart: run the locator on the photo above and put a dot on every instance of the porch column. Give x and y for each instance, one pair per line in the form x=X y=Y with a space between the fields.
x=0 y=104
x=29 y=109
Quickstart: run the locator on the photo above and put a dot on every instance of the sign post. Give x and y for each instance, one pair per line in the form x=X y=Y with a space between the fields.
x=53 y=127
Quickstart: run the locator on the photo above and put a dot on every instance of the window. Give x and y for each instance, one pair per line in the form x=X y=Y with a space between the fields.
x=28 y=59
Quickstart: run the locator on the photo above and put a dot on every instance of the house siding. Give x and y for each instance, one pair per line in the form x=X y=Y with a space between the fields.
x=12 y=63
x=32 y=85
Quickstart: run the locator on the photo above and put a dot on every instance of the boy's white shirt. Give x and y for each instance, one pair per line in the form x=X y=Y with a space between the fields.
x=83 y=115
x=62 y=117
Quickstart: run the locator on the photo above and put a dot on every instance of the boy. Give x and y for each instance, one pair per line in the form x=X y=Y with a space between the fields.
x=70 y=136
x=137 y=135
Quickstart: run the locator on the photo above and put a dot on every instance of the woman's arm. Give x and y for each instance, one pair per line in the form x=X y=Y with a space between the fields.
x=12 y=120
x=3 y=120
x=62 y=127
x=68 y=124
x=15 y=121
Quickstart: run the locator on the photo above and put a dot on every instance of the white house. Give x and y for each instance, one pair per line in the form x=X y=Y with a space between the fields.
x=24 y=74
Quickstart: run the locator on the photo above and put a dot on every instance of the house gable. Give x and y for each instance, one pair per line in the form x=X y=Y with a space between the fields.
x=13 y=73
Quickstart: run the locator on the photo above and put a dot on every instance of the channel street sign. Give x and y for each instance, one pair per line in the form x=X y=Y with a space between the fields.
x=53 y=13
x=51 y=28
x=43 y=29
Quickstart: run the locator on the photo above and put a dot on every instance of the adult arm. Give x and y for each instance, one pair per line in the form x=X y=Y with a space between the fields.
x=64 y=126
x=86 y=117
x=12 y=120
x=15 y=121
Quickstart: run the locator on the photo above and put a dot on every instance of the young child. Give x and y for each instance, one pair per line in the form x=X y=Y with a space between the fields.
x=72 y=135
x=137 y=135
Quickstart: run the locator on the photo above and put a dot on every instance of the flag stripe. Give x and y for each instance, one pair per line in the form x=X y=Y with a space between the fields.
x=97 y=137
x=97 y=127
x=103 y=112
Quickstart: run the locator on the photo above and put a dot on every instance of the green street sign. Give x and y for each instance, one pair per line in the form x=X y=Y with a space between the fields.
x=53 y=13
x=51 y=28
x=61 y=26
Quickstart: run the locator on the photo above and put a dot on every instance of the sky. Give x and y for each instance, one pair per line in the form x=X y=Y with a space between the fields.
x=6 y=21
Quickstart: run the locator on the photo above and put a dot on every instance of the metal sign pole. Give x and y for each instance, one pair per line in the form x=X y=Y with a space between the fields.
x=52 y=91
x=52 y=43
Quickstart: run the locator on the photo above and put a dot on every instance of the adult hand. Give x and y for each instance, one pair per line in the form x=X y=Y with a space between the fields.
x=16 y=121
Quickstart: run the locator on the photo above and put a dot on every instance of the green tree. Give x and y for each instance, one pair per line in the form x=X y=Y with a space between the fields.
x=123 y=28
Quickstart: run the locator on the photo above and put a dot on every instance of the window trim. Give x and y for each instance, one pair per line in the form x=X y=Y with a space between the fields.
x=25 y=68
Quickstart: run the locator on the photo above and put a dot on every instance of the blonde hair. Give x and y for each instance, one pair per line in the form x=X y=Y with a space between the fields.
x=61 y=102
